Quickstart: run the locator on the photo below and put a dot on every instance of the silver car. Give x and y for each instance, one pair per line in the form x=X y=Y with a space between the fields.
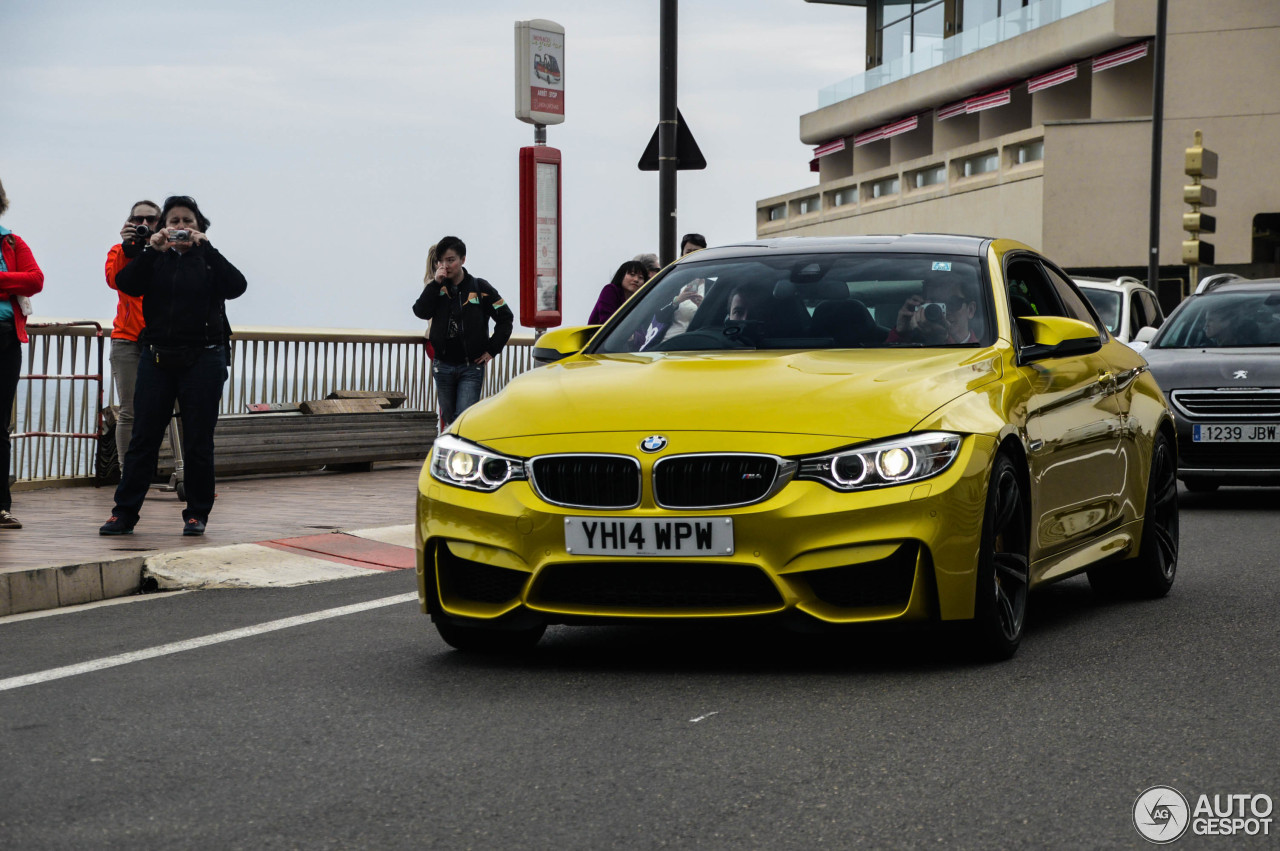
x=1217 y=358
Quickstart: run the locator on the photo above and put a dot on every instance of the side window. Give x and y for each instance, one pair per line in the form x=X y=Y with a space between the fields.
x=1030 y=294
x=1155 y=318
x=1137 y=313
x=1074 y=305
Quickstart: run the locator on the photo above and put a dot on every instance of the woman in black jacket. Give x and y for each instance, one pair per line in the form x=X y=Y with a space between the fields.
x=184 y=283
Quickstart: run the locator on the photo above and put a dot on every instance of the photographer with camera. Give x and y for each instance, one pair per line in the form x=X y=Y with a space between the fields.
x=184 y=283
x=943 y=313
x=460 y=307
x=144 y=219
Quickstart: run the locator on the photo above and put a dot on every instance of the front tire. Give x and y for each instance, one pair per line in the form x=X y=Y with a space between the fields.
x=1000 y=604
x=1150 y=574
x=472 y=639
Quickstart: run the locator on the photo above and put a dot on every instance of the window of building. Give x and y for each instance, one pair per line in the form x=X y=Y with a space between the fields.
x=778 y=212
x=884 y=188
x=1029 y=152
x=932 y=176
x=981 y=164
x=844 y=196
x=904 y=27
x=1266 y=238
x=808 y=205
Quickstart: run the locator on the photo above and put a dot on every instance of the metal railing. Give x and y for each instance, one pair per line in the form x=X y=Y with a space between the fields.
x=59 y=410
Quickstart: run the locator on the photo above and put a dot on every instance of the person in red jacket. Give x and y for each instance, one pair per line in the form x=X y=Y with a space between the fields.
x=144 y=219
x=19 y=276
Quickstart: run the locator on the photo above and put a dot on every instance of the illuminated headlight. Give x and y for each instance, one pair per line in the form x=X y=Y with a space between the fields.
x=455 y=461
x=896 y=461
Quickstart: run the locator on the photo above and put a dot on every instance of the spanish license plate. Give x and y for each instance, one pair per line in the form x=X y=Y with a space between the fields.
x=649 y=536
x=1251 y=433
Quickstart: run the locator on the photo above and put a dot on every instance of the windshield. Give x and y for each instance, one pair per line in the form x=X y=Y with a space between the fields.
x=806 y=301
x=1107 y=303
x=1224 y=320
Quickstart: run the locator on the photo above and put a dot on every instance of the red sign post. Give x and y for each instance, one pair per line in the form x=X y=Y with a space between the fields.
x=540 y=272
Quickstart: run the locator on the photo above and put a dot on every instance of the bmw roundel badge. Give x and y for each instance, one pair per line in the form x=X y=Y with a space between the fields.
x=653 y=443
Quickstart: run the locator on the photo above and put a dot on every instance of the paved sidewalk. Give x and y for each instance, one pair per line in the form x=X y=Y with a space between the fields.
x=58 y=557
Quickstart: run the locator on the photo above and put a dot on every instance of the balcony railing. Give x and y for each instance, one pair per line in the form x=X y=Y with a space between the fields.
x=1037 y=14
x=57 y=415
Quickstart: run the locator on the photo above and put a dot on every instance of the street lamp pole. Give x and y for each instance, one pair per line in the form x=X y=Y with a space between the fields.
x=1157 y=126
x=667 y=155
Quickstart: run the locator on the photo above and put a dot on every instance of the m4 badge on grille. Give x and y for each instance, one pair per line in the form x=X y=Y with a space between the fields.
x=653 y=443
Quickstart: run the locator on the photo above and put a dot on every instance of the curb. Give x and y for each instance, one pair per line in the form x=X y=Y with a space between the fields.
x=286 y=562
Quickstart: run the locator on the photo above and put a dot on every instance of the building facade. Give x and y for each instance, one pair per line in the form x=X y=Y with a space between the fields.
x=1031 y=119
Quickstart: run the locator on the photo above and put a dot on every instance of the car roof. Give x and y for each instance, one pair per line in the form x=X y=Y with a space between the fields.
x=1124 y=282
x=922 y=243
x=1242 y=286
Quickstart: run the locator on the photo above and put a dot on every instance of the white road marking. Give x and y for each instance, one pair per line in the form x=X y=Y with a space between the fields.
x=691 y=720
x=195 y=643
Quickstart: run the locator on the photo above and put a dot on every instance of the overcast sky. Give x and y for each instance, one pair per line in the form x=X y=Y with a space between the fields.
x=331 y=144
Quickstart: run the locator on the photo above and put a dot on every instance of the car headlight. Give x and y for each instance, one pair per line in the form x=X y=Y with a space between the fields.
x=896 y=461
x=455 y=461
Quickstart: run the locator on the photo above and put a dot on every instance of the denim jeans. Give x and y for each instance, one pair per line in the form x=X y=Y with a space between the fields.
x=197 y=390
x=457 y=388
x=124 y=367
x=10 y=369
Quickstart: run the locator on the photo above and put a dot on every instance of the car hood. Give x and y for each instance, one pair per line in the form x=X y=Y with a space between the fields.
x=858 y=394
x=1178 y=368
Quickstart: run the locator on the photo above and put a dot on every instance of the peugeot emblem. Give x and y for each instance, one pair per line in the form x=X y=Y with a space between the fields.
x=653 y=443
x=1242 y=373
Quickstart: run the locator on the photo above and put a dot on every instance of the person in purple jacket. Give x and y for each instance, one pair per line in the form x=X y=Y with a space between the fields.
x=626 y=280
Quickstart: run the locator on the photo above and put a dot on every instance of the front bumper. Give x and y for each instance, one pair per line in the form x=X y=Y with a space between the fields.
x=902 y=553
x=1225 y=463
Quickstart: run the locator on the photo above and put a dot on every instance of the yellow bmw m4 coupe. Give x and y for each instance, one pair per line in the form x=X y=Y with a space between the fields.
x=838 y=431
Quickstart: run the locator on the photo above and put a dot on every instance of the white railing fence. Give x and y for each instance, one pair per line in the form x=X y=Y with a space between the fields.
x=66 y=383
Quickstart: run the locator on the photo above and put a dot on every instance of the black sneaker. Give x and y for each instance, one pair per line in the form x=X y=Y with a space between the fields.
x=116 y=526
x=8 y=521
x=193 y=527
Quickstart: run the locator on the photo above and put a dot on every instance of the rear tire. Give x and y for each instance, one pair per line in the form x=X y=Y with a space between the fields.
x=473 y=639
x=1150 y=574
x=1000 y=602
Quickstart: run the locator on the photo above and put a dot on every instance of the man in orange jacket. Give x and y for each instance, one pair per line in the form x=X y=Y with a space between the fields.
x=143 y=220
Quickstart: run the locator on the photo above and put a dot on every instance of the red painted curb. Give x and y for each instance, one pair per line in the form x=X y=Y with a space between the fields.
x=348 y=549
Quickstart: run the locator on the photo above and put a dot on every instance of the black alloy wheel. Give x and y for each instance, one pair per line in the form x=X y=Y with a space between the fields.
x=1000 y=605
x=1150 y=574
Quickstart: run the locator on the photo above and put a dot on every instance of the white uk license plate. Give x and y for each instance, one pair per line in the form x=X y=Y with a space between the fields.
x=649 y=536
x=1225 y=433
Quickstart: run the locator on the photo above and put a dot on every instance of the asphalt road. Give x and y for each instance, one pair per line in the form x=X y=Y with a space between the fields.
x=365 y=731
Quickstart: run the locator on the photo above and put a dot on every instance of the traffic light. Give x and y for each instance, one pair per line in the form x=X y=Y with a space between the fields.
x=1201 y=165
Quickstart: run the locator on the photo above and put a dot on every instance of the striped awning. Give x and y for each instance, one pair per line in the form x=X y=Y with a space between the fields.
x=835 y=146
x=897 y=128
x=1120 y=57
x=989 y=101
x=1053 y=78
x=951 y=110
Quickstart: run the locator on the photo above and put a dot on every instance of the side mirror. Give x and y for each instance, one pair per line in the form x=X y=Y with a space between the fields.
x=1145 y=334
x=562 y=342
x=1056 y=337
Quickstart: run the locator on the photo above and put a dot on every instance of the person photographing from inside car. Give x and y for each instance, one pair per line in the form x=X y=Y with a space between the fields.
x=942 y=313
x=143 y=220
x=460 y=307
x=184 y=283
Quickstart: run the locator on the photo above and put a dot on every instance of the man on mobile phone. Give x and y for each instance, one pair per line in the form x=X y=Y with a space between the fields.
x=460 y=307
